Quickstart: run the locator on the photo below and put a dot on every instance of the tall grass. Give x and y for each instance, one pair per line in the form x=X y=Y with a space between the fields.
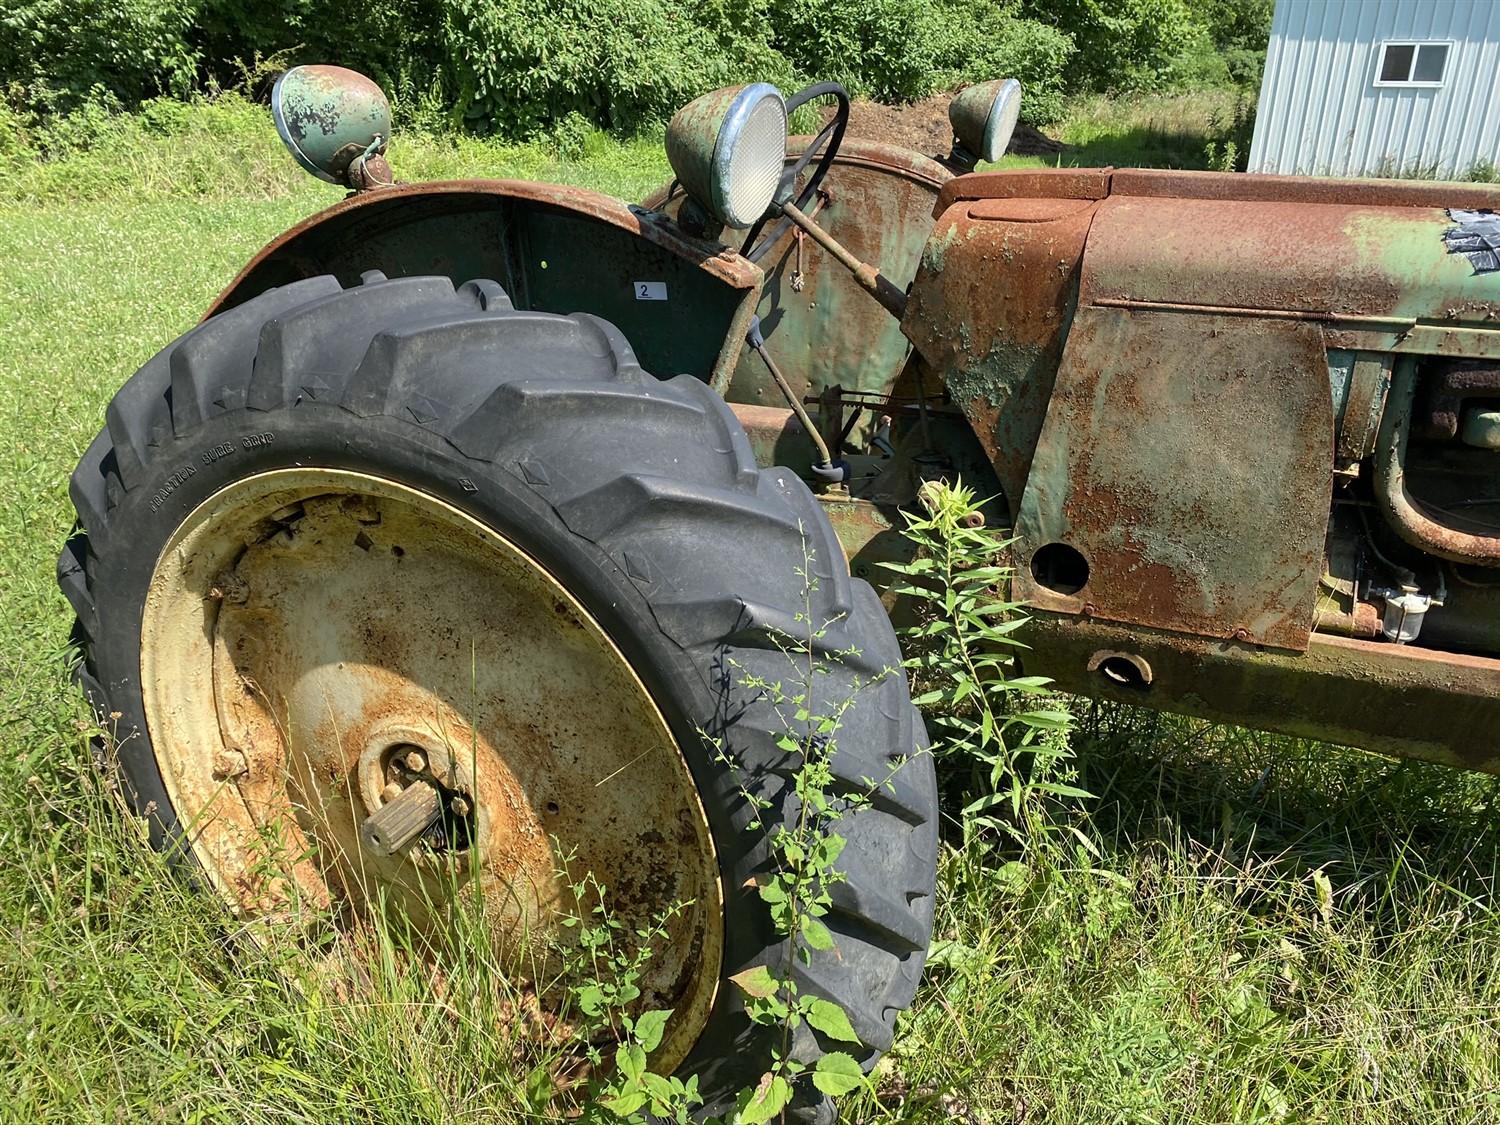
x=1150 y=131
x=224 y=149
x=1275 y=931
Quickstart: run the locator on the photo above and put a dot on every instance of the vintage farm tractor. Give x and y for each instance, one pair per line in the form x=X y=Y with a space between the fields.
x=467 y=518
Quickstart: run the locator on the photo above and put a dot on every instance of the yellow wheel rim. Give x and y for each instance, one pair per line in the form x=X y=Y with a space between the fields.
x=307 y=629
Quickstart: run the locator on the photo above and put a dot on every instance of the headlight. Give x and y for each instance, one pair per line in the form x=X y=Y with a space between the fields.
x=984 y=116
x=328 y=117
x=728 y=149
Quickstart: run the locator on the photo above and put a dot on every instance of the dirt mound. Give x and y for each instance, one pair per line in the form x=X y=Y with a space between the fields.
x=923 y=126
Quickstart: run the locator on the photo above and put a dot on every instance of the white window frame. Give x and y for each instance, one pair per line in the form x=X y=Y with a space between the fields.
x=1416 y=45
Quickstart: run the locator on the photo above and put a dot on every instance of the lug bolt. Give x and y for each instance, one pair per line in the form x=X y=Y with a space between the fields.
x=459 y=806
x=390 y=792
x=415 y=761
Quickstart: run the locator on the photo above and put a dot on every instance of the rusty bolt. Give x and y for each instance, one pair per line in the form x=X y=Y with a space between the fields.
x=459 y=806
x=229 y=764
x=390 y=792
x=415 y=761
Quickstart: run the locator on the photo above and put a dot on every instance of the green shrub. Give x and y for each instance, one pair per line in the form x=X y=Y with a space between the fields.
x=1199 y=65
x=521 y=66
x=984 y=41
x=1123 y=45
x=57 y=54
x=1239 y=31
x=1227 y=148
x=885 y=49
x=402 y=44
x=521 y=69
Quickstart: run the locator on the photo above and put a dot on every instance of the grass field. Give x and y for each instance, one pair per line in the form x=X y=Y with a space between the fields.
x=1271 y=931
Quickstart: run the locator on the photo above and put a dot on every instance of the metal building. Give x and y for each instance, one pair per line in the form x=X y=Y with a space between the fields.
x=1380 y=87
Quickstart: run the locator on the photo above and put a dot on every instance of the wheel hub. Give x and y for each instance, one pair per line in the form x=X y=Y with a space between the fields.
x=400 y=760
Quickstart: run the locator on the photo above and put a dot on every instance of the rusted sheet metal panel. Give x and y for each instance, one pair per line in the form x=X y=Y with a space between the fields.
x=870 y=534
x=990 y=309
x=729 y=268
x=1188 y=458
x=1164 y=183
x=829 y=332
x=776 y=437
x=1043 y=183
x=1396 y=699
x=1332 y=260
x=1171 y=184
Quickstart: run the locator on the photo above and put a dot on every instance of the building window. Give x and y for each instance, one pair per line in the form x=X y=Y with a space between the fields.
x=1412 y=64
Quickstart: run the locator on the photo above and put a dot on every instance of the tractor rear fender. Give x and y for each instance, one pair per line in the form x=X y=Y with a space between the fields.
x=683 y=304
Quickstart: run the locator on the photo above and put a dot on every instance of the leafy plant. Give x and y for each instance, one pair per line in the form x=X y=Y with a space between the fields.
x=997 y=728
x=1122 y=45
x=520 y=66
x=984 y=39
x=1238 y=31
x=805 y=854
x=603 y=970
x=1227 y=148
x=61 y=53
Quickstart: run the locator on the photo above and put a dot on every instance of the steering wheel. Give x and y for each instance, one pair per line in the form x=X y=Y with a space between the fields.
x=827 y=141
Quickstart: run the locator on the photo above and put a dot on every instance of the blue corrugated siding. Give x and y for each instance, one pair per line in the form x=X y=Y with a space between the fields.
x=1321 y=114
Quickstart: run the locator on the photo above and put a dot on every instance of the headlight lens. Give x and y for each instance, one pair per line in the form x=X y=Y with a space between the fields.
x=728 y=149
x=984 y=117
x=752 y=159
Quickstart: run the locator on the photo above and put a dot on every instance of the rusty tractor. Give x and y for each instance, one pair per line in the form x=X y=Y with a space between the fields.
x=465 y=522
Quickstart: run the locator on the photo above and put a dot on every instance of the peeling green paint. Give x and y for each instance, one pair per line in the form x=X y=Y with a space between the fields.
x=935 y=251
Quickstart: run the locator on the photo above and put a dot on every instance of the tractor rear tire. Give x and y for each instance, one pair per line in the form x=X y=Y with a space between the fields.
x=253 y=528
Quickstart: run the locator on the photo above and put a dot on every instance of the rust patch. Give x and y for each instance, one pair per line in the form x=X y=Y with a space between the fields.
x=1255 y=188
x=1053 y=183
x=822 y=328
x=1237 y=254
x=1447 y=388
x=1396 y=699
x=277 y=718
x=990 y=309
x=1188 y=459
x=1027 y=210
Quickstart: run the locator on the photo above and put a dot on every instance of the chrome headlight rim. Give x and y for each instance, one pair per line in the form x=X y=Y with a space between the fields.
x=1000 y=125
x=737 y=117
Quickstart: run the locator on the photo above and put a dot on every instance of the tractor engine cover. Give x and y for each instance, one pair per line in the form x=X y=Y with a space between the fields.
x=1151 y=370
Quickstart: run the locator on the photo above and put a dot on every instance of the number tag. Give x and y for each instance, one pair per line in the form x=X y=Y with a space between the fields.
x=650 y=290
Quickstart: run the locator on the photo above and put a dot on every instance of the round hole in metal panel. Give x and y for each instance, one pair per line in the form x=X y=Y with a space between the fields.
x=1122 y=670
x=1060 y=568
